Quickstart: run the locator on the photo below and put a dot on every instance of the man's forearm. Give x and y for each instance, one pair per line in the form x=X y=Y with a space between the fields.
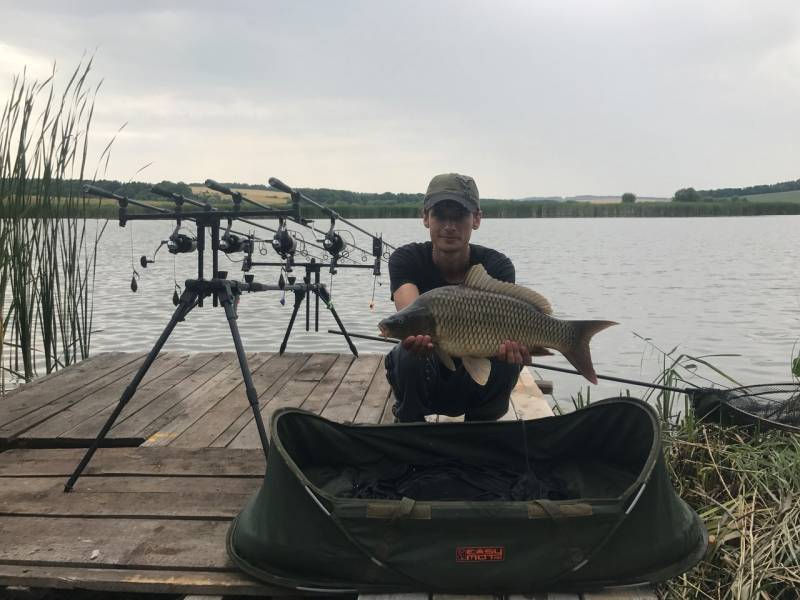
x=405 y=295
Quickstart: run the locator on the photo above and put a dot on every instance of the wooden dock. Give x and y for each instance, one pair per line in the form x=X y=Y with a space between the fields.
x=150 y=514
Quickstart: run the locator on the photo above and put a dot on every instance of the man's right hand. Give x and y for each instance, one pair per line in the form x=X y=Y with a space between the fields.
x=418 y=344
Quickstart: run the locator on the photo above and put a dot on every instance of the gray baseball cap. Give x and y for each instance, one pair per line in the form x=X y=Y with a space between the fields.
x=455 y=187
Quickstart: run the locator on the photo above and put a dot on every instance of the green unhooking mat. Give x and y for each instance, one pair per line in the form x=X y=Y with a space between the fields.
x=578 y=501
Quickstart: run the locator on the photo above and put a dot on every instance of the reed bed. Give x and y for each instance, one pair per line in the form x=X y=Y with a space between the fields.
x=47 y=244
x=746 y=487
x=744 y=484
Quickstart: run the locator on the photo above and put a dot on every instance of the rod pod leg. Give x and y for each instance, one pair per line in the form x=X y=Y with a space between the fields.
x=187 y=303
x=346 y=335
x=227 y=300
x=298 y=300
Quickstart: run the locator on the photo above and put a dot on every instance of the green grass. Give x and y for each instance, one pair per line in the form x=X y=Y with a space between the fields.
x=793 y=197
x=745 y=487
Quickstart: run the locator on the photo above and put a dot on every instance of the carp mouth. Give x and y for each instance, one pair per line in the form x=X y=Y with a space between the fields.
x=412 y=320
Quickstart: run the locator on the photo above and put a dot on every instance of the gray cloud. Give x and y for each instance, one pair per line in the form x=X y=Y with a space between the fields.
x=530 y=98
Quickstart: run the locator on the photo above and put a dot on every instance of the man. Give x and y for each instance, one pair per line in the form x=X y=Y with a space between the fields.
x=422 y=385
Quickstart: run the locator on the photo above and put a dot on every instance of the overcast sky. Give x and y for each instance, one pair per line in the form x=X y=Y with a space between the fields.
x=530 y=98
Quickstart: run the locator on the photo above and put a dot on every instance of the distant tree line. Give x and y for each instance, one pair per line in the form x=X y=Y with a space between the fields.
x=784 y=186
x=692 y=195
x=687 y=202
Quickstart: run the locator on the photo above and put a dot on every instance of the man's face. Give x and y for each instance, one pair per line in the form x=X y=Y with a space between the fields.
x=451 y=225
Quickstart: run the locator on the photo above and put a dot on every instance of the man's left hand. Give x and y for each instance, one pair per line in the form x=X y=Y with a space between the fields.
x=514 y=353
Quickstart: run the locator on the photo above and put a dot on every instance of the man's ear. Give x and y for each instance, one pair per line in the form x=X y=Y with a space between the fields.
x=476 y=219
x=426 y=218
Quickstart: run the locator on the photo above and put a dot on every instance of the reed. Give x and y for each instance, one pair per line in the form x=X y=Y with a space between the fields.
x=49 y=247
x=745 y=487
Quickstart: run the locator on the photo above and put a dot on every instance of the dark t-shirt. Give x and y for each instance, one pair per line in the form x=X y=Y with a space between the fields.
x=413 y=263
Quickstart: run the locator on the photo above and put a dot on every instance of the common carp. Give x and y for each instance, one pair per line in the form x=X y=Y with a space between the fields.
x=472 y=319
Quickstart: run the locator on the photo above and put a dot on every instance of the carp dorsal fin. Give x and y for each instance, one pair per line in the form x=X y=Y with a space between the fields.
x=478 y=279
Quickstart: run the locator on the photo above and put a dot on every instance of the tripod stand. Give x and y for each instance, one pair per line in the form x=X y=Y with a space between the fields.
x=303 y=292
x=222 y=291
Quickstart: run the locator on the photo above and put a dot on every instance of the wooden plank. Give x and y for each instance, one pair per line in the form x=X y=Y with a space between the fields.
x=285 y=367
x=372 y=406
x=31 y=396
x=141 y=422
x=316 y=367
x=146 y=393
x=528 y=400
x=245 y=484
x=134 y=543
x=202 y=501
x=149 y=581
x=292 y=394
x=213 y=423
x=28 y=412
x=227 y=383
x=88 y=365
x=101 y=400
x=320 y=396
x=347 y=398
x=449 y=419
x=179 y=462
x=388 y=415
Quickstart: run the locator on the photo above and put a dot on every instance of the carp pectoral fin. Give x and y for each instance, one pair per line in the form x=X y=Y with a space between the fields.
x=478 y=368
x=539 y=351
x=446 y=359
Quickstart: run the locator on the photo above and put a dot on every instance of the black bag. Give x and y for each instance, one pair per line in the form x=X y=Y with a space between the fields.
x=591 y=505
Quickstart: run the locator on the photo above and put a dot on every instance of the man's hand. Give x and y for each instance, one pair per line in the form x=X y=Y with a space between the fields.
x=418 y=344
x=514 y=353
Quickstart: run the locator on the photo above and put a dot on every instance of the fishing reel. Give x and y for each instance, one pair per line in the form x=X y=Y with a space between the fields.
x=334 y=245
x=181 y=244
x=333 y=242
x=231 y=243
x=283 y=243
x=144 y=261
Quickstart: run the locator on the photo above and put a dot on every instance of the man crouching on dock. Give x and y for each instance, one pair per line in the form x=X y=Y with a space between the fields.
x=422 y=385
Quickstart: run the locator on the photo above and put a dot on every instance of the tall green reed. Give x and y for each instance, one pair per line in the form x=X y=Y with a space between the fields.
x=49 y=249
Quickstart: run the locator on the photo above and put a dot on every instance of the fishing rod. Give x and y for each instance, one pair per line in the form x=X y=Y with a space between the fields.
x=296 y=196
x=179 y=200
x=239 y=197
x=165 y=214
x=655 y=386
x=226 y=242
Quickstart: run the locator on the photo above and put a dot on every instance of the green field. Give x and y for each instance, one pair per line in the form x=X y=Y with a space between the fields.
x=792 y=196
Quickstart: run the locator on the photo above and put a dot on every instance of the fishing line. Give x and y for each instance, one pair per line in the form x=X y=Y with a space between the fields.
x=372 y=300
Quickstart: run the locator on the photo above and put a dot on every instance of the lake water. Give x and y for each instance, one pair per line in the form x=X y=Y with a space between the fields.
x=706 y=285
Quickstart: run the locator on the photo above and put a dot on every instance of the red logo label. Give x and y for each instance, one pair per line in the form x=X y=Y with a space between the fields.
x=480 y=553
